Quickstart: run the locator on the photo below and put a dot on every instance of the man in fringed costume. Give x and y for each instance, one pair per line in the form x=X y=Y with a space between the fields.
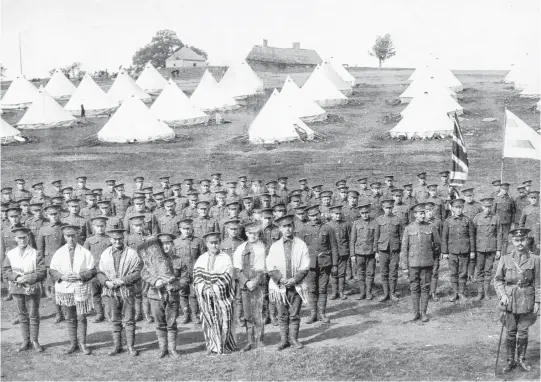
x=250 y=270
x=215 y=290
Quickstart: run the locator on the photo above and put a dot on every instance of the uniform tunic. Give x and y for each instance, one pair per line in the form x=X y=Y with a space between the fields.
x=472 y=209
x=120 y=205
x=530 y=219
x=169 y=224
x=35 y=223
x=204 y=225
x=79 y=221
x=520 y=203
x=50 y=238
x=439 y=207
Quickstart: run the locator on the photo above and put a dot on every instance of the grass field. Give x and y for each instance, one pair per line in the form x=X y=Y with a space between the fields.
x=366 y=340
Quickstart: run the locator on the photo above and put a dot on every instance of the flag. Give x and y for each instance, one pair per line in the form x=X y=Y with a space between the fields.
x=520 y=141
x=459 y=173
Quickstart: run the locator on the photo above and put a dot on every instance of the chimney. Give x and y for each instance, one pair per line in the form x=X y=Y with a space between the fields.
x=265 y=42
x=296 y=45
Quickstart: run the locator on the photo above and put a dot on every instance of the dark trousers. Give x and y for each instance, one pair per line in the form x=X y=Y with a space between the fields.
x=291 y=311
x=471 y=268
x=420 y=278
x=28 y=306
x=388 y=265
x=122 y=309
x=485 y=262
x=342 y=266
x=165 y=313
x=366 y=265
x=458 y=271
x=518 y=325
x=70 y=313
x=435 y=274
x=317 y=280
x=505 y=236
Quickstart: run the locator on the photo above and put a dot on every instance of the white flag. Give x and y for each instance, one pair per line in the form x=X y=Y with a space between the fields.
x=521 y=141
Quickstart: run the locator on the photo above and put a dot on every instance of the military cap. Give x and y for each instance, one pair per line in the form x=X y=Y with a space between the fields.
x=375 y=184
x=467 y=192
x=37 y=185
x=68 y=229
x=300 y=209
x=282 y=179
x=419 y=207
x=159 y=195
x=432 y=186
x=429 y=205
x=279 y=207
x=138 y=179
x=20 y=231
x=20 y=181
x=175 y=186
x=97 y=190
x=147 y=189
x=335 y=208
x=257 y=181
x=444 y=174
x=295 y=192
x=90 y=195
x=15 y=210
x=457 y=202
x=116 y=233
x=212 y=236
x=110 y=182
x=164 y=177
x=364 y=208
x=303 y=180
x=264 y=196
x=188 y=181
x=36 y=206
x=313 y=209
x=185 y=223
x=97 y=219
x=496 y=182
x=169 y=202
x=527 y=182
x=521 y=187
x=216 y=175
x=137 y=219
x=534 y=194
x=408 y=186
x=362 y=180
x=25 y=201
x=166 y=237
x=104 y=203
x=353 y=193
x=232 y=183
x=504 y=185
x=487 y=201
x=233 y=223
x=119 y=185
x=343 y=187
x=56 y=182
x=57 y=199
x=254 y=227
x=233 y=204
x=193 y=195
x=397 y=191
x=271 y=182
x=221 y=193
x=389 y=177
x=81 y=178
x=14 y=204
x=203 y=204
x=421 y=175
x=205 y=182
x=67 y=189
x=243 y=178
x=317 y=187
x=73 y=202
x=267 y=212
x=387 y=203
x=519 y=232
x=326 y=194
x=341 y=182
x=7 y=190
x=248 y=197
x=138 y=198
x=51 y=209
x=284 y=220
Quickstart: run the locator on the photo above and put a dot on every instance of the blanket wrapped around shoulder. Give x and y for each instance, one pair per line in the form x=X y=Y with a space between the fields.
x=129 y=262
x=157 y=265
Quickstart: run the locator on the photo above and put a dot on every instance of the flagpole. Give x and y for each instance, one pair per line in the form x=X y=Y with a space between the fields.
x=20 y=56
x=503 y=146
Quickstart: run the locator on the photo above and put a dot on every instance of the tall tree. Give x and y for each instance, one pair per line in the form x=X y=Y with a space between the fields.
x=383 y=49
x=163 y=45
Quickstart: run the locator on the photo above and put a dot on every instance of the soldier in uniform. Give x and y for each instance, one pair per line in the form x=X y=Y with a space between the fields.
x=120 y=202
x=67 y=194
x=39 y=195
x=505 y=208
x=341 y=231
x=21 y=192
x=283 y=191
x=81 y=189
x=243 y=189
x=364 y=246
x=265 y=201
x=110 y=193
x=458 y=247
x=323 y=251
x=216 y=182
x=256 y=190
x=521 y=201
x=96 y=244
x=400 y=209
x=316 y=197
x=326 y=199
x=420 y=244
x=496 y=188
x=300 y=218
x=165 y=187
x=168 y=221
x=375 y=200
x=203 y=223
x=229 y=245
x=351 y=210
x=75 y=219
x=270 y=231
x=275 y=198
x=113 y=222
x=488 y=241
x=188 y=248
x=443 y=187
x=57 y=188
x=420 y=192
x=159 y=198
x=341 y=196
x=151 y=224
x=439 y=204
x=98 y=193
x=388 y=236
x=294 y=202
x=409 y=200
x=278 y=211
x=24 y=205
x=151 y=200
x=471 y=209
x=205 y=195
x=364 y=192
x=36 y=221
x=138 y=184
x=306 y=192
x=232 y=195
x=517 y=284
x=247 y=214
x=527 y=185
x=188 y=186
x=438 y=223
x=91 y=208
x=181 y=201
x=530 y=219
x=190 y=212
x=7 y=195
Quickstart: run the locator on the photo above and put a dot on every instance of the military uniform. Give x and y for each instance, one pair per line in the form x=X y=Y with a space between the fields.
x=142 y=304
x=488 y=240
x=342 y=232
x=375 y=206
x=218 y=212
x=402 y=211
x=350 y=213
x=472 y=209
x=364 y=246
x=168 y=224
x=189 y=213
x=439 y=207
x=207 y=197
x=230 y=244
x=43 y=199
x=270 y=234
x=35 y=223
x=204 y=225
x=120 y=205
x=530 y=219
x=113 y=222
x=437 y=258
x=521 y=202
x=387 y=237
x=150 y=224
x=410 y=201
x=504 y=207
x=78 y=221
x=21 y=194
x=420 y=192
x=8 y=241
x=96 y=244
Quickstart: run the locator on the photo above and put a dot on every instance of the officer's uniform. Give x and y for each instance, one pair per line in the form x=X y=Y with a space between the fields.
x=388 y=235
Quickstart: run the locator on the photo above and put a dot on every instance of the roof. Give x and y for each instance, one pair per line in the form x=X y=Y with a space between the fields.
x=284 y=55
x=186 y=54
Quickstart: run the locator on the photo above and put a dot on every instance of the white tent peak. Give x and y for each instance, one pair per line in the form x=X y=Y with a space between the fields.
x=209 y=96
x=59 y=86
x=240 y=81
x=150 y=79
x=92 y=97
x=335 y=78
x=303 y=107
x=434 y=67
x=124 y=87
x=344 y=74
x=45 y=112
x=134 y=122
x=321 y=90
x=520 y=141
x=8 y=133
x=434 y=93
x=20 y=94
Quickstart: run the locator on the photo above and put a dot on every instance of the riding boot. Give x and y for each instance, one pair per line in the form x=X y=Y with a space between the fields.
x=138 y=309
x=25 y=333
x=415 y=304
x=172 y=343
x=511 y=348
x=250 y=338
x=34 y=335
x=284 y=336
x=369 y=284
x=130 y=340
x=481 y=293
x=99 y=310
x=362 y=288
x=146 y=310
x=341 y=285
x=194 y=308
x=81 y=335
x=385 y=296
x=294 y=335
x=392 y=290
x=59 y=316
x=334 y=288
x=312 y=304
x=162 y=343
x=117 y=343
x=72 y=334
x=424 y=307
x=185 y=307
x=522 y=345
x=322 y=308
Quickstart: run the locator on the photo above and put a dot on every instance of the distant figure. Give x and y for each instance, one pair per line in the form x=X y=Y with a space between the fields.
x=83 y=113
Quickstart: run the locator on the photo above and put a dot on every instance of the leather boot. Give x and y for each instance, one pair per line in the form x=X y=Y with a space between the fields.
x=312 y=304
x=34 y=335
x=138 y=309
x=334 y=288
x=480 y=294
x=72 y=334
x=424 y=307
x=81 y=335
x=294 y=335
x=362 y=287
x=162 y=343
x=250 y=338
x=194 y=308
x=59 y=316
x=284 y=336
x=511 y=348
x=172 y=344
x=117 y=344
x=185 y=306
x=385 y=286
x=415 y=304
x=369 y=284
x=341 y=285
x=454 y=297
x=322 y=309
x=392 y=290
x=25 y=333
x=146 y=311
x=130 y=339
x=99 y=310
x=522 y=345
x=486 y=289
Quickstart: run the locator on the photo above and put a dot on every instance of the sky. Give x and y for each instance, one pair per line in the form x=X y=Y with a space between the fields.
x=104 y=34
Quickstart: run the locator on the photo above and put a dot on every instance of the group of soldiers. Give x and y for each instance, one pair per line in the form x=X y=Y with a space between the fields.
x=130 y=258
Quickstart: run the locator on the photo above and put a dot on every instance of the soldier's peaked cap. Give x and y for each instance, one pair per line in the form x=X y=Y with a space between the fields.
x=457 y=202
x=137 y=219
x=253 y=227
x=534 y=194
x=138 y=179
x=519 y=232
x=326 y=194
x=419 y=207
x=37 y=185
x=166 y=237
x=212 y=236
x=116 y=233
x=284 y=220
x=267 y=212
x=186 y=223
x=69 y=229
x=364 y=207
x=97 y=219
x=118 y=185
x=203 y=204
x=20 y=231
x=467 y=191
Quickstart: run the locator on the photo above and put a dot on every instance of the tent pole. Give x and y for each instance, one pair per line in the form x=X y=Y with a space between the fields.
x=20 y=55
x=503 y=146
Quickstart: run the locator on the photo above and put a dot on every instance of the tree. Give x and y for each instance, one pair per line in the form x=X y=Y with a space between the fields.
x=200 y=52
x=383 y=49
x=3 y=70
x=71 y=71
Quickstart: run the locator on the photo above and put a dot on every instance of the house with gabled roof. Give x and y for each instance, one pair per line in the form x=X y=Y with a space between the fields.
x=269 y=57
x=185 y=57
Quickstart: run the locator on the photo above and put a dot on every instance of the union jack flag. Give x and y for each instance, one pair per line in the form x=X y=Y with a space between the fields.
x=459 y=172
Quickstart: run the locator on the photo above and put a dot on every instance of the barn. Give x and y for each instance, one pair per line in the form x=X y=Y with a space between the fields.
x=184 y=58
x=265 y=57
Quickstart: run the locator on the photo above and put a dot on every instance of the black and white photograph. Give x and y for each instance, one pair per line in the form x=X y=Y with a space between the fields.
x=270 y=190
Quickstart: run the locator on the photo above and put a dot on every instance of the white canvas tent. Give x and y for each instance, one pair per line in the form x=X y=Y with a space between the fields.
x=434 y=68
x=240 y=81
x=321 y=90
x=525 y=71
x=422 y=84
x=538 y=105
x=8 y=133
x=303 y=107
x=95 y=101
x=134 y=122
x=520 y=141
x=125 y=87
x=424 y=120
x=335 y=79
x=209 y=96
x=277 y=123
x=174 y=108
x=59 y=86
x=439 y=100
x=45 y=113
x=20 y=94
x=344 y=74
x=533 y=88
x=150 y=80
